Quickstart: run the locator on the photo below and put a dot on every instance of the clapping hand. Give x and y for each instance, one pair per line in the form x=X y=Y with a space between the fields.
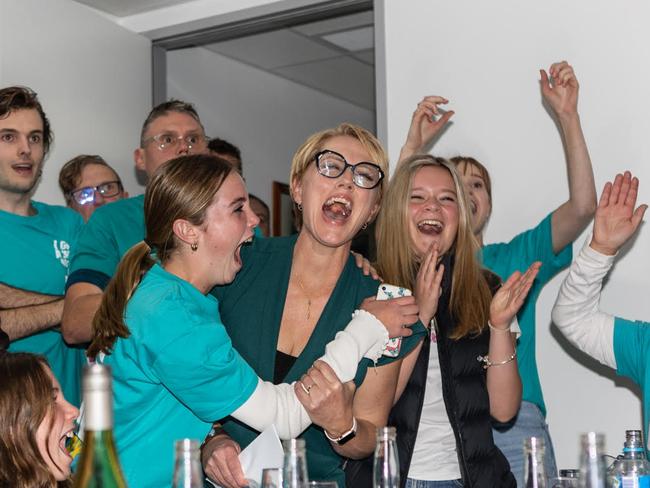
x=616 y=219
x=511 y=296
x=427 y=285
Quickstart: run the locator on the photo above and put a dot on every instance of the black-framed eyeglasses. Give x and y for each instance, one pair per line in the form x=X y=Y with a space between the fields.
x=169 y=140
x=86 y=195
x=364 y=174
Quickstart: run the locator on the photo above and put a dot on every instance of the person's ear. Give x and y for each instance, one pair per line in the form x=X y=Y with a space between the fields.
x=185 y=232
x=138 y=157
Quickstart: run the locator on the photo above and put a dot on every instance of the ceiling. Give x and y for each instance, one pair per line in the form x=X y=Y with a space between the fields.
x=124 y=8
x=334 y=56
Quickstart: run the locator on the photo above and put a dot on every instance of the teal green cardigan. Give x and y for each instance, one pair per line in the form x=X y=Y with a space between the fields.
x=251 y=308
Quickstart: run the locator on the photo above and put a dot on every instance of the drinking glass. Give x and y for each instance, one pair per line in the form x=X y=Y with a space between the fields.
x=271 y=478
x=562 y=482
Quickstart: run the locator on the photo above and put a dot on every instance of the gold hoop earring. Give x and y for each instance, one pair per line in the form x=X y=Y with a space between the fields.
x=364 y=226
x=299 y=207
x=194 y=246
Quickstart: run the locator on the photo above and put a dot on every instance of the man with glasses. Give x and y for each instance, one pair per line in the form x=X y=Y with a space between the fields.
x=35 y=242
x=172 y=129
x=88 y=182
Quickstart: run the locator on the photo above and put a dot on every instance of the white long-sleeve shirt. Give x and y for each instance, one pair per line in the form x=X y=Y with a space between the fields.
x=576 y=312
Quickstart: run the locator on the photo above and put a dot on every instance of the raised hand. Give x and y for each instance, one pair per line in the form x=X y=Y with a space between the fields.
x=616 y=219
x=562 y=94
x=511 y=296
x=427 y=285
x=397 y=314
x=426 y=122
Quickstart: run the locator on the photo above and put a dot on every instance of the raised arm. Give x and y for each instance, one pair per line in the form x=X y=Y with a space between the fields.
x=560 y=91
x=576 y=311
x=427 y=121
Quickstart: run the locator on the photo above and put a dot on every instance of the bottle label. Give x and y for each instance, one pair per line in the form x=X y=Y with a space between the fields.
x=642 y=481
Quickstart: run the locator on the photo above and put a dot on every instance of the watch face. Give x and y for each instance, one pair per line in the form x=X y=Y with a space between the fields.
x=348 y=436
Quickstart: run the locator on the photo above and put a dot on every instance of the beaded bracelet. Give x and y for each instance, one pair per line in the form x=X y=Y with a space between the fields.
x=492 y=327
x=487 y=363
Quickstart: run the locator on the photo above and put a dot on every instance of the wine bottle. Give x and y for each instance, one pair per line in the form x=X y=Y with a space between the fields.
x=99 y=466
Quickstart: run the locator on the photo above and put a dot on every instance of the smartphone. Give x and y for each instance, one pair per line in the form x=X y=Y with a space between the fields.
x=386 y=292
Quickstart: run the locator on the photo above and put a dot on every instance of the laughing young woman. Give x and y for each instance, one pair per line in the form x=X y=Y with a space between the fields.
x=36 y=421
x=174 y=369
x=465 y=374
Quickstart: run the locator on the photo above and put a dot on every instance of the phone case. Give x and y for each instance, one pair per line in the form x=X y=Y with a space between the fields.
x=386 y=292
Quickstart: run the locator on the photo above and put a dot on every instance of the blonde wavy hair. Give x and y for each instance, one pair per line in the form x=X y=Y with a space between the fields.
x=398 y=263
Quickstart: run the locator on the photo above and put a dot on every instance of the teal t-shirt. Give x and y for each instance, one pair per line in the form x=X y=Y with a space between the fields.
x=172 y=377
x=632 y=352
x=111 y=231
x=517 y=255
x=252 y=307
x=35 y=255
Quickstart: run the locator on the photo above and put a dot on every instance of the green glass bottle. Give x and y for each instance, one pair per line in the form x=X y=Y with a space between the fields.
x=99 y=466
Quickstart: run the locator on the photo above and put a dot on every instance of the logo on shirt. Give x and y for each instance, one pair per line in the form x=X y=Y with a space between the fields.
x=62 y=251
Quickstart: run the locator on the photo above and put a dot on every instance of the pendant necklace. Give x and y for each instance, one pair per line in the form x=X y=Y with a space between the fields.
x=308 y=298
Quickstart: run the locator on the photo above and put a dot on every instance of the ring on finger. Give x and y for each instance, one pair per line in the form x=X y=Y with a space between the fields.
x=305 y=388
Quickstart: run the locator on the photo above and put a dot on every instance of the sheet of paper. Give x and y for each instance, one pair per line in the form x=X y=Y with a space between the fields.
x=264 y=452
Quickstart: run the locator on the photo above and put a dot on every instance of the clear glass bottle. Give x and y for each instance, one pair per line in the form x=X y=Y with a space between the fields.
x=592 y=464
x=633 y=469
x=187 y=465
x=294 y=473
x=386 y=464
x=99 y=466
x=534 y=474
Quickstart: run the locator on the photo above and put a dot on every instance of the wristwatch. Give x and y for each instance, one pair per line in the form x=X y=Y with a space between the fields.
x=345 y=436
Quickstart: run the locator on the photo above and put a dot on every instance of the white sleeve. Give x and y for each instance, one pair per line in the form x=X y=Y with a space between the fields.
x=576 y=312
x=364 y=336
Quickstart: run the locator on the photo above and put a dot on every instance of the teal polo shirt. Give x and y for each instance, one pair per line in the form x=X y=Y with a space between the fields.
x=111 y=231
x=35 y=256
x=504 y=259
x=632 y=352
x=173 y=376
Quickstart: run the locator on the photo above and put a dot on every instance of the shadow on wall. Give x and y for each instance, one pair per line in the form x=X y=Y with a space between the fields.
x=593 y=365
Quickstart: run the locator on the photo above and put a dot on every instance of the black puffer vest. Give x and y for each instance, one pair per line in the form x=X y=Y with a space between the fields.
x=482 y=464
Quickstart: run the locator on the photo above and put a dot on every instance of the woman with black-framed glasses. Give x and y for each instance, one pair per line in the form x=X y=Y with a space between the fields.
x=295 y=293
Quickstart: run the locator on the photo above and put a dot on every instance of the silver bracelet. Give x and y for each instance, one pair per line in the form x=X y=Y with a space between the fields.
x=487 y=363
x=492 y=327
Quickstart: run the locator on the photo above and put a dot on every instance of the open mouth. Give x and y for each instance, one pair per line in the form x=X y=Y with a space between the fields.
x=472 y=206
x=337 y=209
x=69 y=444
x=245 y=242
x=23 y=169
x=430 y=227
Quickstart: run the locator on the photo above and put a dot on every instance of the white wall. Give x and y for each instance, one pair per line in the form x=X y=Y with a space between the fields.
x=93 y=78
x=484 y=57
x=267 y=116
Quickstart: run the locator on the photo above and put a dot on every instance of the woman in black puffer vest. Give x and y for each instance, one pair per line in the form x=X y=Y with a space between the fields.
x=463 y=377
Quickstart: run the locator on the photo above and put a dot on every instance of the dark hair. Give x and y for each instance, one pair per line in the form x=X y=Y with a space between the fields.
x=22 y=98
x=182 y=188
x=70 y=173
x=163 y=109
x=25 y=400
x=258 y=199
x=224 y=148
